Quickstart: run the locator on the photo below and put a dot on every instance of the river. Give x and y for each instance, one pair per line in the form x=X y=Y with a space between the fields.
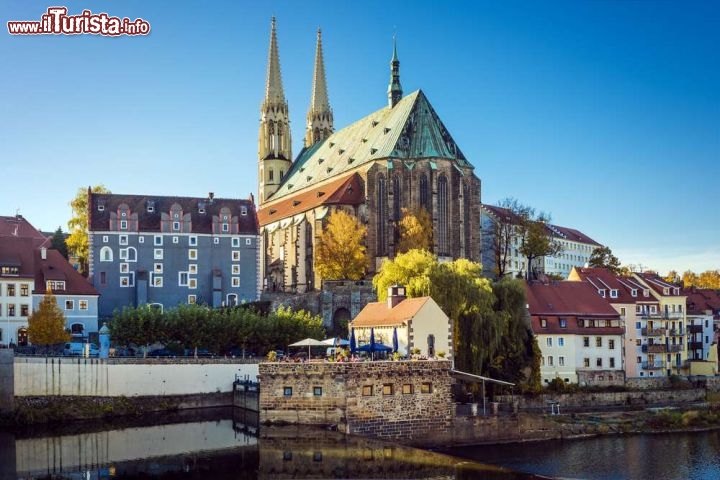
x=220 y=443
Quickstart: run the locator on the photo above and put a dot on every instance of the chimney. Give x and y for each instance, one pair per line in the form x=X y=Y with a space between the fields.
x=396 y=294
x=43 y=253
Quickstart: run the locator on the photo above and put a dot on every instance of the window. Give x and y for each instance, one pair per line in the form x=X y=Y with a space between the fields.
x=183 y=279
x=426 y=387
x=141 y=239
x=158 y=268
x=124 y=281
x=216 y=241
x=611 y=344
x=387 y=389
x=407 y=389
x=612 y=362
x=69 y=305
x=235 y=242
x=176 y=226
x=548 y=341
x=287 y=391
x=317 y=391
x=561 y=342
x=586 y=341
x=543 y=323
x=124 y=268
x=11 y=310
x=638 y=342
x=55 y=285
x=192 y=283
x=443 y=217
x=248 y=241
x=563 y=323
x=176 y=239
x=653 y=308
x=192 y=254
x=24 y=310
x=638 y=325
x=602 y=292
x=638 y=309
x=550 y=361
x=638 y=360
x=157 y=240
x=123 y=224
x=83 y=304
x=236 y=269
x=157 y=281
x=243 y=210
x=613 y=293
x=598 y=342
x=131 y=254
x=225 y=227
x=192 y=268
x=561 y=361
x=235 y=282
x=106 y=239
x=123 y=239
x=367 y=390
x=103 y=278
x=192 y=299
x=598 y=362
x=192 y=241
x=123 y=254
x=106 y=254
x=158 y=254
x=236 y=255
x=25 y=291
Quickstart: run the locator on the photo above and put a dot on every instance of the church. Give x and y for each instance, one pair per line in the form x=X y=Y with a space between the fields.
x=399 y=156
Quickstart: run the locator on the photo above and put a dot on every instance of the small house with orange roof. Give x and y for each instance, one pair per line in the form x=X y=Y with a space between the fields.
x=415 y=322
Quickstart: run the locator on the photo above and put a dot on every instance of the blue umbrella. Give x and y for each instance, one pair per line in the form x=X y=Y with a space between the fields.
x=395 y=340
x=353 y=347
x=372 y=339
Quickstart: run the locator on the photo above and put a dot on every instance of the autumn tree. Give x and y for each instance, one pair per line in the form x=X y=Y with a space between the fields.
x=689 y=278
x=46 y=325
x=672 y=277
x=341 y=252
x=58 y=242
x=77 y=241
x=602 y=257
x=506 y=223
x=415 y=230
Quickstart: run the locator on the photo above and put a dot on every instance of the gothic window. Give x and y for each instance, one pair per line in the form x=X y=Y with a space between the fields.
x=381 y=215
x=271 y=175
x=442 y=213
x=396 y=199
x=424 y=193
x=466 y=219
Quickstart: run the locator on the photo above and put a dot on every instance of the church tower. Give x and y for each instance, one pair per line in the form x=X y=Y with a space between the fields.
x=320 y=116
x=394 y=89
x=275 y=144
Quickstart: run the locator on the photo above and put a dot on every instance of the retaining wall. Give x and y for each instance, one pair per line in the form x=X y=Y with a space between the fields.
x=7 y=383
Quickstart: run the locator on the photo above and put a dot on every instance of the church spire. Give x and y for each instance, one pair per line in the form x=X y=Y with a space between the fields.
x=319 y=117
x=274 y=142
x=394 y=88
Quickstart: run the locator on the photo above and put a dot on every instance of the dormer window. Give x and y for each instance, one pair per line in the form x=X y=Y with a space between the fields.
x=601 y=292
x=243 y=210
x=563 y=323
x=676 y=291
x=150 y=206
x=201 y=207
x=176 y=226
x=633 y=292
x=666 y=291
x=613 y=293
x=123 y=224
x=646 y=292
x=543 y=323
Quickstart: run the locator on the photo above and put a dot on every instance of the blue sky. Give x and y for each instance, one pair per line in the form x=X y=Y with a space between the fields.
x=606 y=114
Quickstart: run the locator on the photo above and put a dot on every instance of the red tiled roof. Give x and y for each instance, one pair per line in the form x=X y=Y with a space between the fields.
x=17 y=252
x=55 y=267
x=573 y=235
x=18 y=227
x=602 y=278
x=572 y=325
x=377 y=314
x=658 y=284
x=567 y=298
x=347 y=190
x=699 y=300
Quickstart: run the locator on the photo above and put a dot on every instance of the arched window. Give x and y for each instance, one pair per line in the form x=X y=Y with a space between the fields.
x=466 y=219
x=381 y=204
x=131 y=254
x=442 y=216
x=425 y=194
x=396 y=198
x=106 y=254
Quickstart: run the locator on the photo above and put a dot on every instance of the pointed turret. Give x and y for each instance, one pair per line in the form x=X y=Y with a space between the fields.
x=394 y=89
x=274 y=145
x=320 y=116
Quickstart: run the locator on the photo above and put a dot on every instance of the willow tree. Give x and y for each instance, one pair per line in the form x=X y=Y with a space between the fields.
x=46 y=325
x=77 y=241
x=341 y=252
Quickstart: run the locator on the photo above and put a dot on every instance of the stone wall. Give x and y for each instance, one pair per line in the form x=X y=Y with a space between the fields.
x=598 y=401
x=406 y=401
x=7 y=385
x=42 y=376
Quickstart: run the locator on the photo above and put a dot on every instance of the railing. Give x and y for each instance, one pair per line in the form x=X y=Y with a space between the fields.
x=695 y=328
x=676 y=332
x=695 y=345
x=653 y=332
x=656 y=348
x=675 y=348
x=656 y=365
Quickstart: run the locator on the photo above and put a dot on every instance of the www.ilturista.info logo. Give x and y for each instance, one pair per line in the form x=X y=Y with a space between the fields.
x=56 y=21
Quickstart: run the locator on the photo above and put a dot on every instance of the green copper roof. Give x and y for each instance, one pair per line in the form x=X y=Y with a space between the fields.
x=410 y=130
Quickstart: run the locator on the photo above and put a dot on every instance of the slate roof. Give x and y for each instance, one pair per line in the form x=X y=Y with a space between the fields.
x=377 y=314
x=410 y=130
x=346 y=190
x=150 y=221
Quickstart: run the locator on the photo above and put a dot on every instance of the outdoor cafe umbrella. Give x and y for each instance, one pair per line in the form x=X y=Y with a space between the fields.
x=374 y=347
x=308 y=342
x=395 y=340
x=353 y=345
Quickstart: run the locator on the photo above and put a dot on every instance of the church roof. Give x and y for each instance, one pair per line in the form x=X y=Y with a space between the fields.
x=410 y=130
x=346 y=190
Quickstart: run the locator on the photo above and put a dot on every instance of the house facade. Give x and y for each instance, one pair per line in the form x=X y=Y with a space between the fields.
x=165 y=251
x=504 y=247
x=579 y=334
x=703 y=315
x=419 y=323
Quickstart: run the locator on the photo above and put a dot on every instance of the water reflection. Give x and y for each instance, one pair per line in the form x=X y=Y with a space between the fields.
x=228 y=447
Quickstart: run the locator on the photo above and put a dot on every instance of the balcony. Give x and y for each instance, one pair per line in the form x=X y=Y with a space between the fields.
x=676 y=332
x=674 y=348
x=695 y=345
x=653 y=332
x=695 y=329
x=656 y=348
x=656 y=365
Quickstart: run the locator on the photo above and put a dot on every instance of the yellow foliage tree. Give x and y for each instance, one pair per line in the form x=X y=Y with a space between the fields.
x=46 y=325
x=341 y=252
x=77 y=241
x=415 y=230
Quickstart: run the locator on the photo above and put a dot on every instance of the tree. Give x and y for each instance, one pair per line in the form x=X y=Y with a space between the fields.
x=507 y=225
x=673 y=277
x=411 y=269
x=689 y=278
x=58 y=242
x=341 y=252
x=415 y=230
x=537 y=241
x=709 y=279
x=77 y=241
x=602 y=257
x=46 y=325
